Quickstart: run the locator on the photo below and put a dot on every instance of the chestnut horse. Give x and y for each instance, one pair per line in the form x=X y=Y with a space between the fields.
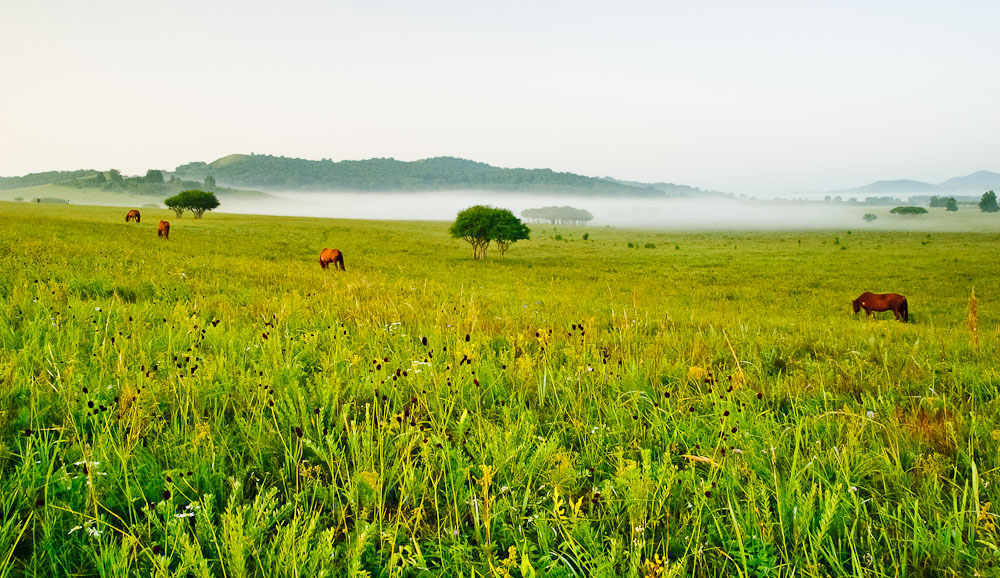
x=133 y=215
x=163 y=230
x=872 y=302
x=334 y=256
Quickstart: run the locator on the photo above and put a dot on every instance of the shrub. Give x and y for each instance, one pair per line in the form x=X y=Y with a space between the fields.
x=908 y=211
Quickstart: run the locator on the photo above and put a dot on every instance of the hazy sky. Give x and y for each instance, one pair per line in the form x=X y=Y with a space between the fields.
x=746 y=97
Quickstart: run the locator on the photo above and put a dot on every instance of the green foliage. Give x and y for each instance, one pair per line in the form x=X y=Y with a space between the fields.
x=580 y=411
x=951 y=205
x=507 y=230
x=988 y=202
x=481 y=224
x=908 y=211
x=941 y=201
x=153 y=176
x=194 y=200
x=869 y=217
x=209 y=181
x=387 y=174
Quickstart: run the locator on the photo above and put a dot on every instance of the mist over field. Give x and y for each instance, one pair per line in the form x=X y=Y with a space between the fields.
x=704 y=213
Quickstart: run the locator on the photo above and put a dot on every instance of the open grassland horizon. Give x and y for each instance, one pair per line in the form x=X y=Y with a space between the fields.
x=639 y=403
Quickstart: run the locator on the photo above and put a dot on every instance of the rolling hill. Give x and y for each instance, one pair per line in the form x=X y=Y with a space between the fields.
x=388 y=174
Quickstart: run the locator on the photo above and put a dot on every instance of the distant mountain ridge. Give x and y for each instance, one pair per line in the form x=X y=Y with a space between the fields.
x=976 y=183
x=388 y=174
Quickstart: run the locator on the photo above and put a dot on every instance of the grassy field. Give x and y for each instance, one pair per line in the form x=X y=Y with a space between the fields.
x=638 y=403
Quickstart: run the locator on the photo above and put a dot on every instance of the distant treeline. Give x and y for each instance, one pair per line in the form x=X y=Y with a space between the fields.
x=153 y=183
x=388 y=174
x=558 y=215
x=46 y=178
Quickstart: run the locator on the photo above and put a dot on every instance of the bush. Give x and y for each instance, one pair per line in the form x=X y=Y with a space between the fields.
x=869 y=217
x=908 y=211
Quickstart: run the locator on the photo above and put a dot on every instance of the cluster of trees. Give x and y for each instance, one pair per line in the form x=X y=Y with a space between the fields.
x=480 y=225
x=558 y=215
x=387 y=174
x=194 y=200
x=154 y=182
x=949 y=203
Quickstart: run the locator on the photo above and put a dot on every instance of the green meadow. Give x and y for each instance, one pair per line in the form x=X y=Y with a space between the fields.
x=632 y=403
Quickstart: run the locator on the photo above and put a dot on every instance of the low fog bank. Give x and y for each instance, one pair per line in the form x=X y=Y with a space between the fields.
x=707 y=213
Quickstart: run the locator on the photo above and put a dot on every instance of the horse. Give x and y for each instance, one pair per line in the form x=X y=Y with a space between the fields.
x=133 y=215
x=872 y=302
x=334 y=256
x=163 y=230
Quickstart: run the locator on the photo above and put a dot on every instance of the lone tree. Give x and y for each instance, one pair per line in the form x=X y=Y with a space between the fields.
x=951 y=205
x=481 y=224
x=195 y=201
x=988 y=204
x=507 y=230
x=869 y=217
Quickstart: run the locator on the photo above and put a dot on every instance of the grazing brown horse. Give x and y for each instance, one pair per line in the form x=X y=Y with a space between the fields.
x=334 y=256
x=163 y=230
x=133 y=215
x=872 y=302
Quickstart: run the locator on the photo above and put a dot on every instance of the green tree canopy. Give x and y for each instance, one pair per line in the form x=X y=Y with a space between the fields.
x=195 y=201
x=988 y=204
x=209 y=182
x=869 y=217
x=153 y=176
x=951 y=205
x=481 y=224
x=507 y=230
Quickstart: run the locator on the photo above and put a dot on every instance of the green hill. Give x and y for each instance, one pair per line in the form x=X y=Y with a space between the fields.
x=46 y=178
x=388 y=174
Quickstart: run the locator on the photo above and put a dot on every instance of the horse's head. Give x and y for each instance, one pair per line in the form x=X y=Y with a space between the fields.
x=856 y=304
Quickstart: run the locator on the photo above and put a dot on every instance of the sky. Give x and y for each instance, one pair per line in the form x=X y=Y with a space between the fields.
x=758 y=98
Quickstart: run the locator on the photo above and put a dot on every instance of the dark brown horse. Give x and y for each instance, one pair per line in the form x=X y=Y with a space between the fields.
x=334 y=256
x=872 y=302
x=133 y=215
x=163 y=230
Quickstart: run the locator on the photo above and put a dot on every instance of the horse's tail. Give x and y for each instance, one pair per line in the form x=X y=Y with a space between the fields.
x=906 y=311
x=340 y=258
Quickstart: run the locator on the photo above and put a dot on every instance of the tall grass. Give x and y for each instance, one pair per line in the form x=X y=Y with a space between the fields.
x=218 y=405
